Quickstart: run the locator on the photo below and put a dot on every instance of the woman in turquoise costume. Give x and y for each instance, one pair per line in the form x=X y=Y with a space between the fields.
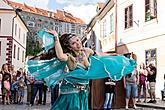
x=80 y=65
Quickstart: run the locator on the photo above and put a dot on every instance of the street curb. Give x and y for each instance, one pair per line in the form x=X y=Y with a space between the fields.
x=151 y=106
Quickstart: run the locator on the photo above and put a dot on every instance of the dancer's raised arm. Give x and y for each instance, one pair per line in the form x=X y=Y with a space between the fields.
x=59 y=51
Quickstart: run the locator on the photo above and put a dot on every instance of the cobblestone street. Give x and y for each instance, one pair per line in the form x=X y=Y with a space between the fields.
x=27 y=107
x=24 y=107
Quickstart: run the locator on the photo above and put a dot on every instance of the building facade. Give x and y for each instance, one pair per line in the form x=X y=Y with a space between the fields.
x=136 y=27
x=13 y=32
x=102 y=35
x=141 y=29
x=37 y=19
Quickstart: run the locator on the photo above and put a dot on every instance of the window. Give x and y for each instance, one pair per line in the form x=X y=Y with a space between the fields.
x=23 y=53
x=30 y=24
x=24 y=38
x=150 y=56
x=56 y=28
x=39 y=25
x=101 y=30
x=15 y=29
x=52 y=27
x=33 y=18
x=19 y=33
x=111 y=23
x=150 y=9
x=67 y=27
x=14 y=51
x=104 y=28
x=0 y=48
x=72 y=30
x=56 y=23
x=0 y=24
x=51 y=23
x=46 y=22
x=129 y=16
x=27 y=17
x=39 y=20
x=18 y=53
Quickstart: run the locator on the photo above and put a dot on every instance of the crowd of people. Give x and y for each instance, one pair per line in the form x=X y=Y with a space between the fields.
x=137 y=84
x=13 y=83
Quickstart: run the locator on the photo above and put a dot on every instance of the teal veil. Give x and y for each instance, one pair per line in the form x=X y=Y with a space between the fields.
x=52 y=70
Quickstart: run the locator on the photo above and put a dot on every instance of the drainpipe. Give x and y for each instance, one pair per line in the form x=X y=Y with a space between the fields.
x=16 y=11
x=116 y=26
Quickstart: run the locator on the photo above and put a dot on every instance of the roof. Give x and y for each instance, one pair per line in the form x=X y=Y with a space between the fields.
x=59 y=15
x=6 y=7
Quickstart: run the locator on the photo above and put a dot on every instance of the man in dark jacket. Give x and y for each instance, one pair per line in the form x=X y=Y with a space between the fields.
x=151 y=77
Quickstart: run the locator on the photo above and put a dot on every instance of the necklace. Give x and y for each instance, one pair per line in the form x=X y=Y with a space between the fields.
x=79 y=57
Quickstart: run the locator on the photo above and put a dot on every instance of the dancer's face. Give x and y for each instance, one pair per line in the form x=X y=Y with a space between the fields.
x=75 y=44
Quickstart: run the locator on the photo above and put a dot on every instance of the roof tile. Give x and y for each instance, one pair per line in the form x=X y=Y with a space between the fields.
x=60 y=15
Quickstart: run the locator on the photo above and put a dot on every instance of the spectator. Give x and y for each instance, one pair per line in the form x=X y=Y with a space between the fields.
x=110 y=91
x=142 y=82
x=44 y=93
x=38 y=86
x=29 y=80
x=130 y=83
x=163 y=91
x=151 y=77
x=12 y=71
x=0 y=83
x=6 y=90
x=54 y=93
x=5 y=73
x=21 y=86
x=14 y=89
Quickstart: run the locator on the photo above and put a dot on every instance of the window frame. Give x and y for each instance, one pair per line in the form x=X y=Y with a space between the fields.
x=14 y=52
x=111 y=23
x=0 y=48
x=18 y=53
x=30 y=24
x=19 y=33
x=149 y=58
x=23 y=53
x=128 y=17
x=0 y=24
x=24 y=35
x=15 y=29
x=104 y=28
x=149 y=10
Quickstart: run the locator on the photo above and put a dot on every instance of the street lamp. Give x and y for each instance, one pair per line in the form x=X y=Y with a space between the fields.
x=17 y=10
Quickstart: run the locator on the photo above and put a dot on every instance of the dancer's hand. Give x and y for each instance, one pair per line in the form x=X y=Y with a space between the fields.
x=52 y=32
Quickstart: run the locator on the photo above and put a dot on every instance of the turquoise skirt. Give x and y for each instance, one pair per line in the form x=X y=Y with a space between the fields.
x=72 y=101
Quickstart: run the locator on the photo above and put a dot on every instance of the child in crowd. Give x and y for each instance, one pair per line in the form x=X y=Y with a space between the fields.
x=0 y=83
x=21 y=86
x=6 y=90
x=14 y=90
